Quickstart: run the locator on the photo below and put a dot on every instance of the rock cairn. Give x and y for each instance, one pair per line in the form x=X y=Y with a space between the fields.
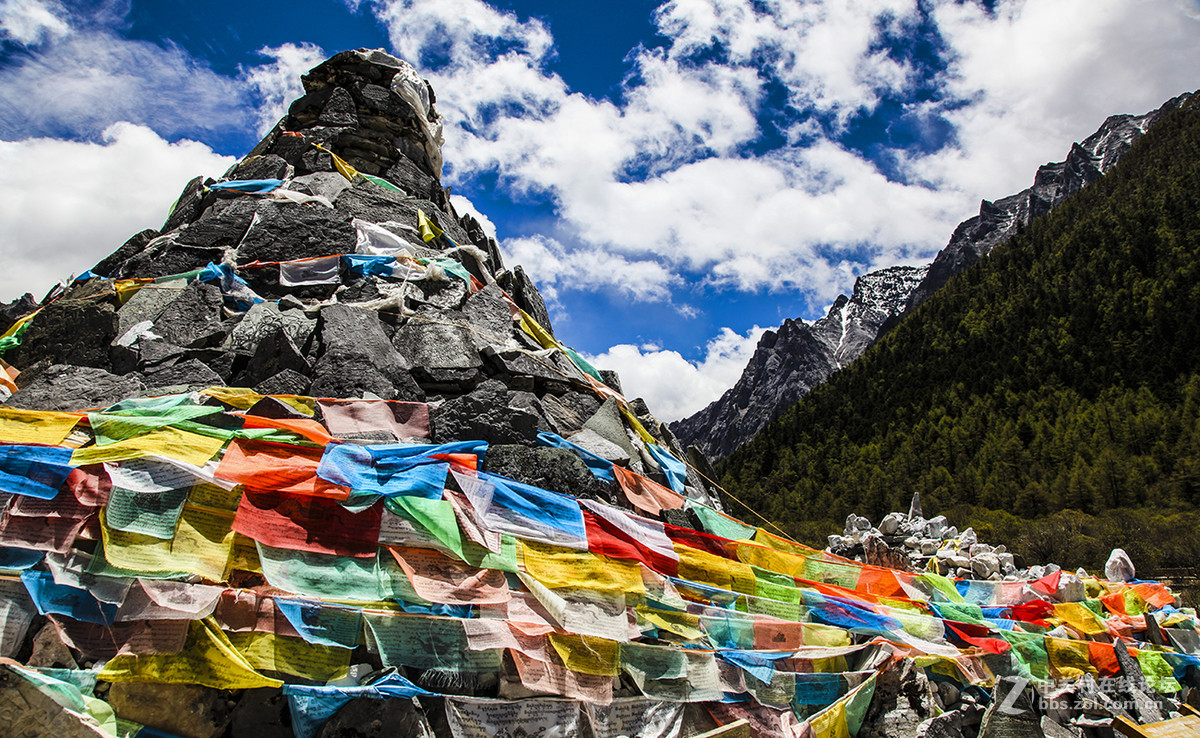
x=913 y=543
x=310 y=461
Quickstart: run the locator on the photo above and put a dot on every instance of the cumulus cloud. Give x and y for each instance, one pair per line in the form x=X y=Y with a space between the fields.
x=553 y=267
x=665 y=174
x=30 y=22
x=1041 y=74
x=674 y=386
x=64 y=205
x=87 y=81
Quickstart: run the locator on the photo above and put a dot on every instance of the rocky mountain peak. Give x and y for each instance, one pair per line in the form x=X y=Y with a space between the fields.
x=789 y=362
x=999 y=220
x=881 y=298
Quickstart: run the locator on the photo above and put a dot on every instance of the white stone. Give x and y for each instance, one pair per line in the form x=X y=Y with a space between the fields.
x=985 y=565
x=1119 y=567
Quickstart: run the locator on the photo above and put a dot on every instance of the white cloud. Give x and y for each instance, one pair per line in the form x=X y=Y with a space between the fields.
x=552 y=267
x=1042 y=74
x=64 y=205
x=277 y=82
x=661 y=175
x=463 y=206
x=87 y=81
x=31 y=22
x=673 y=386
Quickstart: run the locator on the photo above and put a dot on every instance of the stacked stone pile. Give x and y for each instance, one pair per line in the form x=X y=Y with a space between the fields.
x=334 y=275
x=310 y=461
x=916 y=543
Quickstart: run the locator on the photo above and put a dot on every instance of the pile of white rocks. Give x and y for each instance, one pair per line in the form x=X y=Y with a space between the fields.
x=911 y=541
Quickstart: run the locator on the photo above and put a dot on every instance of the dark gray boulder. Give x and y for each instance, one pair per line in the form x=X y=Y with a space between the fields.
x=260 y=166
x=68 y=332
x=549 y=468
x=490 y=317
x=193 y=319
x=135 y=245
x=188 y=207
x=222 y=225
x=437 y=340
x=262 y=319
x=284 y=231
x=286 y=382
x=274 y=353
x=190 y=373
x=521 y=289
x=355 y=356
x=67 y=387
x=491 y=412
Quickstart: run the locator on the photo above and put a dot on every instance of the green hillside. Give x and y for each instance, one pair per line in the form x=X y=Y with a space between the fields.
x=1062 y=373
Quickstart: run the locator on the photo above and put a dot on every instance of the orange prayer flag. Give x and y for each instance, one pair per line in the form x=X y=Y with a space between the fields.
x=644 y=494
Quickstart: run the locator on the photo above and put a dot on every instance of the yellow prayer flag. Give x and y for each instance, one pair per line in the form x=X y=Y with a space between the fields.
x=770 y=540
x=294 y=656
x=1069 y=659
x=587 y=654
x=681 y=624
x=636 y=425
x=240 y=397
x=558 y=568
x=35 y=426
x=429 y=230
x=12 y=329
x=780 y=562
x=1080 y=618
x=343 y=168
x=170 y=442
x=536 y=331
x=817 y=634
x=830 y=722
x=127 y=288
x=202 y=545
x=207 y=659
x=705 y=568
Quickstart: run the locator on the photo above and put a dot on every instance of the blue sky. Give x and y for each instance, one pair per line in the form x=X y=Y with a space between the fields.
x=676 y=176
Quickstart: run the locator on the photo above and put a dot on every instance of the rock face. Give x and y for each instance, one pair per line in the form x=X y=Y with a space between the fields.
x=790 y=362
x=1000 y=220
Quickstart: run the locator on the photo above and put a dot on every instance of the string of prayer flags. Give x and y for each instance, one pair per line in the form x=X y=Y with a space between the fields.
x=153 y=556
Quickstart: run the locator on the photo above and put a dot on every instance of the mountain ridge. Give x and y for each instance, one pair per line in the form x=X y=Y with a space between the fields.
x=1053 y=376
x=760 y=396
